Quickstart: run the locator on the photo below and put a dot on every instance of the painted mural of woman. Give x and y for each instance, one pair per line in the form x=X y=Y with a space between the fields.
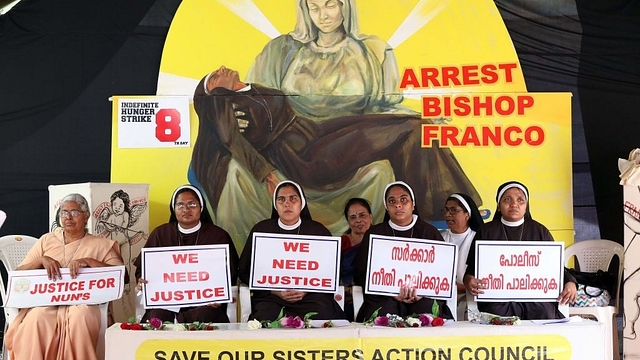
x=336 y=70
x=328 y=70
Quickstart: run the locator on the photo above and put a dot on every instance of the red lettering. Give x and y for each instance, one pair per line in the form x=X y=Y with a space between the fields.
x=509 y=139
x=452 y=76
x=429 y=75
x=295 y=264
x=534 y=135
x=185 y=276
x=185 y=258
x=98 y=283
x=470 y=74
x=489 y=74
x=449 y=136
x=470 y=137
x=296 y=247
x=409 y=79
x=431 y=106
x=511 y=135
x=475 y=105
x=524 y=102
x=168 y=125
x=429 y=133
x=508 y=71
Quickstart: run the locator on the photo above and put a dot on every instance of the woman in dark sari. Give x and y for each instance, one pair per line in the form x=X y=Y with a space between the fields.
x=357 y=211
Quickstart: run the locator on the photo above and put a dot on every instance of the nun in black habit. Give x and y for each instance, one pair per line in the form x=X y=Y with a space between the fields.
x=513 y=222
x=401 y=220
x=290 y=215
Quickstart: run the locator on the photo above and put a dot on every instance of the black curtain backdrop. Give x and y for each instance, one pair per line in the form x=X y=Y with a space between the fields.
x=61 y=60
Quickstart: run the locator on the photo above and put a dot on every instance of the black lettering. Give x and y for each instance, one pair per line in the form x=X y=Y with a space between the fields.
x=357 y=354
x=278 y=355
x=299 y=355
x=377 y=355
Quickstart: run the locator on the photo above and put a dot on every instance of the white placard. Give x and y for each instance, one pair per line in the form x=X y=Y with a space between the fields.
x=186 y=276
x=520 y=271
x=426 y=265
x=153 y=121
x=301 y=262
x=31 y=288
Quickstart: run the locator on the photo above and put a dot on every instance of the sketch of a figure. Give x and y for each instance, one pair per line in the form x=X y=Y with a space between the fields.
x=117 y=218
x=631 y=269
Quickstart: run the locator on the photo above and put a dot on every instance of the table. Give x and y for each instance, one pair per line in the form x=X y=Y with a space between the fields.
x=460 y=341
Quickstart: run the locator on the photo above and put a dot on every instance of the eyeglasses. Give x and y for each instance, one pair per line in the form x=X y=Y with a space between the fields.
x=291 y=198
x=190 y=205
x=73 y=213
x=450 y=210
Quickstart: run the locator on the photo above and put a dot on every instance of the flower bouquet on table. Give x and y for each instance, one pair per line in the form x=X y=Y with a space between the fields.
x=478 y=317
x=152 y=324
x=290 y=322
x=413 y=320
x=157 y=324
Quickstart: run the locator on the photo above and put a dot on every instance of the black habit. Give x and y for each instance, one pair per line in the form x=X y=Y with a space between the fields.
x=267 y=306
x=387 y=304
x=530 y=230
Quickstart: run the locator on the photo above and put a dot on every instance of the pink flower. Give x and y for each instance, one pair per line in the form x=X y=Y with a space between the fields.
x=155 y=323
x=381 y=321
x=426 y=319
x=292 y=322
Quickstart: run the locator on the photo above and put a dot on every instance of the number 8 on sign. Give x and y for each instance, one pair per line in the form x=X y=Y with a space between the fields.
x=168 y=125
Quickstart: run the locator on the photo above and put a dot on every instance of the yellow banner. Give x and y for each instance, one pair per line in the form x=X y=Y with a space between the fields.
x=534 y=347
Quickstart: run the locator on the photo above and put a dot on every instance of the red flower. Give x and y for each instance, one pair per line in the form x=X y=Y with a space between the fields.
x=136 y=327
x=125 y=326
x=209 y=327
x=437 y=321
x=400 y=325
x=327 y=324
x=192 y=328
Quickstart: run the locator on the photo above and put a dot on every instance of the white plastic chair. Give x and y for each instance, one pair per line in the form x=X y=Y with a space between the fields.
x=245 y=301
x=358 y=299
x=594 y=255
x=13 y=249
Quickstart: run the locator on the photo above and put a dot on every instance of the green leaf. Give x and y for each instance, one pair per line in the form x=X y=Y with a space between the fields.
x=308 y=316
x=280 y=315
x=373 y=316
x=435 y=308
x=132 y=320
